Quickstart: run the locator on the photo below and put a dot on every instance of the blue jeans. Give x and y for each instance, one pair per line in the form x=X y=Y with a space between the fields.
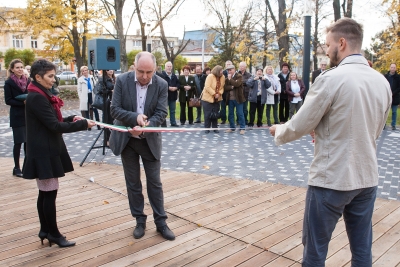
x=323 y=209
x=246 y=111
x=172 y=108
x=394 y=114
x=239 y=113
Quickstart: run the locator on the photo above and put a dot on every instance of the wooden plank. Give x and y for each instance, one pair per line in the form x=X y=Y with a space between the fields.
x=281 y=262
x=239 y=257
x=259 y=260
x=383 y=247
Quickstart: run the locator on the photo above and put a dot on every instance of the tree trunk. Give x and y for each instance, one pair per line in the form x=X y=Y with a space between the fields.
x=283 y=37
x=119 y=5
x=336 y=9
x=75 y=38
x=142 y=25
x=315 y=41
x=349 y=11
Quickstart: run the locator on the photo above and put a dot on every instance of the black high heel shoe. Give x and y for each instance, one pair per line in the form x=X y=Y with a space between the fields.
x=42 y=235
x=17 y=172
x=60 y=241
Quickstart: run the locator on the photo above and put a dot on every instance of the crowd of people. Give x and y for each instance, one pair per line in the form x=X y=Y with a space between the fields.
x=343 y=176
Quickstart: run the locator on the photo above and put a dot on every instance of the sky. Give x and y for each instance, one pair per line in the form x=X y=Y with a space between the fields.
x=193 y=16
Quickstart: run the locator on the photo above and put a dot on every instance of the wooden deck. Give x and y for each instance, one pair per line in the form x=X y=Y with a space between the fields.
x=218 y=221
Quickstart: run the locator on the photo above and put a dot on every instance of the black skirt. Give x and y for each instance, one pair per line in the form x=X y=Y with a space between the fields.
x=19 y=134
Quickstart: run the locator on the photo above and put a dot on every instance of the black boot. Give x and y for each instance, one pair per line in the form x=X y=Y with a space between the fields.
x=61 y=241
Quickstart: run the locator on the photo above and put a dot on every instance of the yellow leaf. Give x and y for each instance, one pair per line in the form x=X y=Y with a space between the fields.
x=206 y=167
x=106 y=202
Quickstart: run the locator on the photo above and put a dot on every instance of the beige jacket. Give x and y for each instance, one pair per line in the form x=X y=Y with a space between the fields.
x=209 y=88
x=348 y=107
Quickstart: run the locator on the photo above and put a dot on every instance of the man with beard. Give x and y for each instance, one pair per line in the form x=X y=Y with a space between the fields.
x=345 y=112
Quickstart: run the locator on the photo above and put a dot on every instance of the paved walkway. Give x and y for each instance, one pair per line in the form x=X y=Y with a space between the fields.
x=251 y=156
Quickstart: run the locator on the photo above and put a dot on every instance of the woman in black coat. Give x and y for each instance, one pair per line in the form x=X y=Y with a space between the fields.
x=46 y=155
x=14 y=86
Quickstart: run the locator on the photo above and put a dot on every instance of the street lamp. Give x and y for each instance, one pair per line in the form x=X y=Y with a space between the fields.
x=306 y=43
x=148 y=39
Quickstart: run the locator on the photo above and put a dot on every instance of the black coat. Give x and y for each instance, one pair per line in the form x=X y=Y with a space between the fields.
x=17 y=107
x=283 y=82
x=173 y=82
x=46 y=153
x=395 y=87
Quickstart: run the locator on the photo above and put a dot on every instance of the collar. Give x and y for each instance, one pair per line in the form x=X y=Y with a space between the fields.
x=146 y=85
x=353 y=58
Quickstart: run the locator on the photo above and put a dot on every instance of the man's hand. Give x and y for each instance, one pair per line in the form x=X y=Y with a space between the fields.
x=136 y=131
x=187 y=87
x=277 y=92
x=142 y=120
x=229 y=76
x=272 y=130
x=90 y=124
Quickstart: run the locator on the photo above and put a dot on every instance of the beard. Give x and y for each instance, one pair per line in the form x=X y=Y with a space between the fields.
x=334 y=58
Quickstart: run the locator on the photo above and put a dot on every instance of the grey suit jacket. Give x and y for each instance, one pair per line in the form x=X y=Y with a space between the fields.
x=123 y=110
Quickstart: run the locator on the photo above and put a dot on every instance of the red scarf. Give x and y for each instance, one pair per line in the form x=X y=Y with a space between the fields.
x=56 y=102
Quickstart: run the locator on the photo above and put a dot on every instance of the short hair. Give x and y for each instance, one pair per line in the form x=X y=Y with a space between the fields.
x=284 y=64
x=168 y=62
x=294 y=74
x=243 y=63
x=41 y=67
x=140 y=54
x=266 y=67
x=217 y=71
x=186 y=67
x=12 y=65
x=83 y=68
x=349 y=29
x=393 y=64
x=198 y=66
x=206 y=69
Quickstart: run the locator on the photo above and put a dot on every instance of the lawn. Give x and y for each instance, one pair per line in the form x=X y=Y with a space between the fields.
x=178 y=110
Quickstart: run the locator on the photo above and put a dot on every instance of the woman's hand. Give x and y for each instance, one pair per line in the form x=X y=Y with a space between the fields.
x=296 y=94
x=216 y=96
x=77 y=118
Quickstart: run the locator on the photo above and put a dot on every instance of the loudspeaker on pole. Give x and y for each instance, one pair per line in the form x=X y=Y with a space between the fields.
x=103 y=54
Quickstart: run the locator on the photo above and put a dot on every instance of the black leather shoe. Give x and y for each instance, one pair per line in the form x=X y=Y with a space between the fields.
x=197 y=122
x=139 y=230
x=222 y=122
x=216 y=131
x=174 y=125
x=166 y=232
x=17 y=172
x=207 y=131
x=60 y=241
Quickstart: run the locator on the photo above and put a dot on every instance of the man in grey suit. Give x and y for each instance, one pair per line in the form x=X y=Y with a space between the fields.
x=139 y=100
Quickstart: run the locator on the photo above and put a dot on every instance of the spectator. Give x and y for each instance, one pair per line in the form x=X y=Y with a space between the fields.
x=85 y=88
x=212 y=95
x=235 y=99
x=173 y=85
x=295 y=90
x=394 y=80
x=284 y=102
x=187 y=90
x=258 y=96
x=272 y=99
x=245 y=77
x=224 y=96
x=199 y=88
x=315 y=73
x=14 y=86
x=131 y=68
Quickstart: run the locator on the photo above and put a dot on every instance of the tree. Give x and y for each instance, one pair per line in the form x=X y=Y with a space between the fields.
x=170 y=50
x=318 y=18
x=66 y=20
x=230 y=32
x=180 y=62
x=347 y=9
x=281 y=27
x=114 y=12
x=131 y=56
x=160 y=60
x=27 y=56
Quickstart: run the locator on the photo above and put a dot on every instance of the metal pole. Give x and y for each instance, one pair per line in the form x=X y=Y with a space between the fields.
x=307 y=45
x=202 y=54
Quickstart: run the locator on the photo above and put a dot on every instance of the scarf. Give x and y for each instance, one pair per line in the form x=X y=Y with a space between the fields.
x=56 y=102
x=21 y=82
x=218 y=86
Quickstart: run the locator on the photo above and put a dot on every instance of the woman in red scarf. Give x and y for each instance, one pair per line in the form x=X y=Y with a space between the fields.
x=47 y=157
x=14 y=86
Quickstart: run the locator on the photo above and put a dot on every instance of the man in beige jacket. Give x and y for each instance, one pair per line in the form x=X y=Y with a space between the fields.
x=347 y=106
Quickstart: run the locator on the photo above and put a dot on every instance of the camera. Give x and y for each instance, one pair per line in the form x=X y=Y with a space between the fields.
x=260 y=77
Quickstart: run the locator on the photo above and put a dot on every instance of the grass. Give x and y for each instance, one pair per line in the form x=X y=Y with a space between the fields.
x=178 y=112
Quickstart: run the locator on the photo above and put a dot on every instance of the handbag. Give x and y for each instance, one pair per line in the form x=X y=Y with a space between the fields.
x=194 y=102
x=214 y=115
x=98 y=101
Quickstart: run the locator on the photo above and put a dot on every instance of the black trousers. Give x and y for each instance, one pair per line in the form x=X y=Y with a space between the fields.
x=208 y=108
x=135 y=150
x=284 y=110
x=260 y=110
x=183 y=112
x=275 y=111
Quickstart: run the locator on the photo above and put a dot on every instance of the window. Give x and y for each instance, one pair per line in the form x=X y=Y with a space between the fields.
x=171 y=44
x=156 y=43
x=33 y=42
x=17 y=41
x=137 y=43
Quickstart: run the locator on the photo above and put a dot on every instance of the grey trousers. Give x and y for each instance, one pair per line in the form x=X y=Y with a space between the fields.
x=294 y=107
x=135 y=149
